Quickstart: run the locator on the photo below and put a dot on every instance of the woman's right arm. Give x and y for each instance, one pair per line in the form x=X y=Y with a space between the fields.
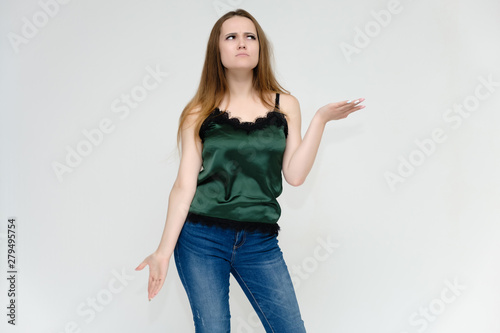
x=179 y=201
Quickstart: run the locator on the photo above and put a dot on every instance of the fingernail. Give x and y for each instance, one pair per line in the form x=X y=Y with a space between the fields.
x=349 y=101
x=150 y=299
x=356 y=101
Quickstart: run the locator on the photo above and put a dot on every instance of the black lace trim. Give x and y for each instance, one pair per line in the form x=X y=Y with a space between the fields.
x=269 y=228
x=272 y=117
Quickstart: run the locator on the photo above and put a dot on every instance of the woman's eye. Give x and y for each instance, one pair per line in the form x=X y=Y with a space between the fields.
x=233 y=37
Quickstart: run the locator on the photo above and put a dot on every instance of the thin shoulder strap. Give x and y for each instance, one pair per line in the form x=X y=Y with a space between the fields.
x=277 y=104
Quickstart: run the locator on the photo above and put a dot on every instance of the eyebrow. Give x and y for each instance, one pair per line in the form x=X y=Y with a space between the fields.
x=235 y=33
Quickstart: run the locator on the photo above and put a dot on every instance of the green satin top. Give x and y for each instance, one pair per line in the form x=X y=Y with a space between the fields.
x=241 y=173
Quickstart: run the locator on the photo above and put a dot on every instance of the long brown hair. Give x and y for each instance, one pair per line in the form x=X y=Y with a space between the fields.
x=213 y=83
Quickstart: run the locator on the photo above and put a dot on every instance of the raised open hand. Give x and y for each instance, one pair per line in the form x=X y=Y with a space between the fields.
x=340 y=110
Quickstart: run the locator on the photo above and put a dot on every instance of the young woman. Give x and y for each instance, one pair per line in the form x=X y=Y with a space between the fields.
x=239 y=133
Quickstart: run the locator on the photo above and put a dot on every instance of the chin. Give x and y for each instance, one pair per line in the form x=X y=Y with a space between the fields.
x=240 y=68
x=243 y=65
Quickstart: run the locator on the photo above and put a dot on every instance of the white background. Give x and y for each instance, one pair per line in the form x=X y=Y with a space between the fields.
x=398 y=249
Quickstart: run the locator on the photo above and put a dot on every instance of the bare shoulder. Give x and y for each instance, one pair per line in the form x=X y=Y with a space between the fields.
x=290 y=105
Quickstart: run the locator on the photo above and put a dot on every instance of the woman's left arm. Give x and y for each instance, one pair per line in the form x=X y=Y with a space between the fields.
x=299 y=154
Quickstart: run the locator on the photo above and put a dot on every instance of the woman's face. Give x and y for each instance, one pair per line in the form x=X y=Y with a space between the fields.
x=238 y=44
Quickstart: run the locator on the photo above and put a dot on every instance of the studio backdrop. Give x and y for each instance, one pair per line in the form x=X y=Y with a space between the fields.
x=395 y=229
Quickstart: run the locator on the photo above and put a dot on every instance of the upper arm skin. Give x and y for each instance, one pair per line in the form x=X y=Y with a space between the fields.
x=291 y=107
x=191 y=160
x=183 y=189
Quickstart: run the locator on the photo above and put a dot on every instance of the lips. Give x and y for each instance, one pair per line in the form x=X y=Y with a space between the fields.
x=242 y=54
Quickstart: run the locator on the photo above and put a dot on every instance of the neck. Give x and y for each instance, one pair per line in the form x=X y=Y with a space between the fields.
x=240 y=84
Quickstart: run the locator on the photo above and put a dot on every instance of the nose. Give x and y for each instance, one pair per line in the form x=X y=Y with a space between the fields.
x=241 y=44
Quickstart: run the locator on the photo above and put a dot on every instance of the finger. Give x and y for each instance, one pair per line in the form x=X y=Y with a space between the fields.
x=355 y=102
x=151 y=287
x=355 y=109
x=151 y=294
x=149 y=290
x=152 y=277
x=141 y=266
x=158 y=283
x=155 y=283
x=349 y=105
x=355 y=106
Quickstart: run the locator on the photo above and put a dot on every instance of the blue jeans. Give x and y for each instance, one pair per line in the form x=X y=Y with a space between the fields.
x=205 y=257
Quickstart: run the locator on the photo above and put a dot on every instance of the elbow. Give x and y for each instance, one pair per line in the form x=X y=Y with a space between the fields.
x=294 y=177
x=295 y=181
